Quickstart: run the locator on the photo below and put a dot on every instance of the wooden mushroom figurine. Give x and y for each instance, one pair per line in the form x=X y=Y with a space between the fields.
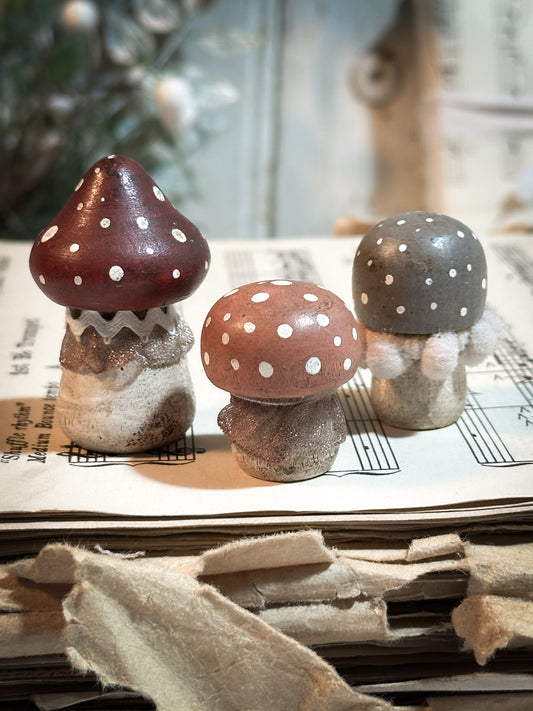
x=419 y=289
x=118 y=255
x=282 y=349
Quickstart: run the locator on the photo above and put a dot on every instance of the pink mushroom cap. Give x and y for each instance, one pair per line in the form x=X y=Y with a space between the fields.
x=279 y=340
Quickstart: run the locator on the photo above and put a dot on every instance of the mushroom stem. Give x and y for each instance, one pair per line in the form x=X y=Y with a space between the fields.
x=415 y=402
x=125 y=394
x=284 y=442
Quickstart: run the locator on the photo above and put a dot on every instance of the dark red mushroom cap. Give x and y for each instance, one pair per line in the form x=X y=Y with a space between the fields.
x=419 y=273
x=273 y=340
x=118 y=244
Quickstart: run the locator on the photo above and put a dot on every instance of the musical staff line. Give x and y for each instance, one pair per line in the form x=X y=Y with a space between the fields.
x=181 y=451
x=487 y=430
x=370 y=442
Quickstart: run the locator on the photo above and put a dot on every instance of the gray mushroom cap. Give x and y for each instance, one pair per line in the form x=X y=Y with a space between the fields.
x=419 y=273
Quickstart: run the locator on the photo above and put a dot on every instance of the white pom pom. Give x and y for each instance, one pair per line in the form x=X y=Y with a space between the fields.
x=384 y=355
x=412 y=347
x=462 y=338
x=484 y=337
x=440 y=356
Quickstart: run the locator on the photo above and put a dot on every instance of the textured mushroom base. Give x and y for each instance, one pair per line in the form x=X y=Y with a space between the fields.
x=280 y=442
x=415 y=402
x=125 y=394
x=118 y=416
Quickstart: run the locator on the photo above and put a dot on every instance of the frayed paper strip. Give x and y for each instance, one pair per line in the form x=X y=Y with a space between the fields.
x=184 y=645
x=490 y=622
x=342 y=623
x=282 y=550
x=509 y=574
x=177 y=628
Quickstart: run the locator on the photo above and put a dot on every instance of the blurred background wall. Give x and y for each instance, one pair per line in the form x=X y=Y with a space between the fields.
x=267 y=118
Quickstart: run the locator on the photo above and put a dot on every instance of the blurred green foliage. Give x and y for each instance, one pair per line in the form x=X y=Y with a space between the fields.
x=79 y=80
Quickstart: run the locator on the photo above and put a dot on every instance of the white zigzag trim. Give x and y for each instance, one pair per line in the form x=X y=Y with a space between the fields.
x=124 y=319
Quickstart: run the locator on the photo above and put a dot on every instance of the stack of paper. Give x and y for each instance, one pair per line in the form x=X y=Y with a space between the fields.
x=386 y=488
x=356 y=624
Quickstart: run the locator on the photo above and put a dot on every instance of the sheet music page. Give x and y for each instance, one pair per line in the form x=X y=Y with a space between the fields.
x=487 y=456
x=485 y=105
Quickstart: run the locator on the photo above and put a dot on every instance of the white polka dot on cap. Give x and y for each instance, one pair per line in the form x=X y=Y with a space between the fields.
x=284 y=330
x=266 y=369
x=313 y=365
x=116 y=273
x=50 y=232
x=157 y=192
x=261 y=296
x=179 y=235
